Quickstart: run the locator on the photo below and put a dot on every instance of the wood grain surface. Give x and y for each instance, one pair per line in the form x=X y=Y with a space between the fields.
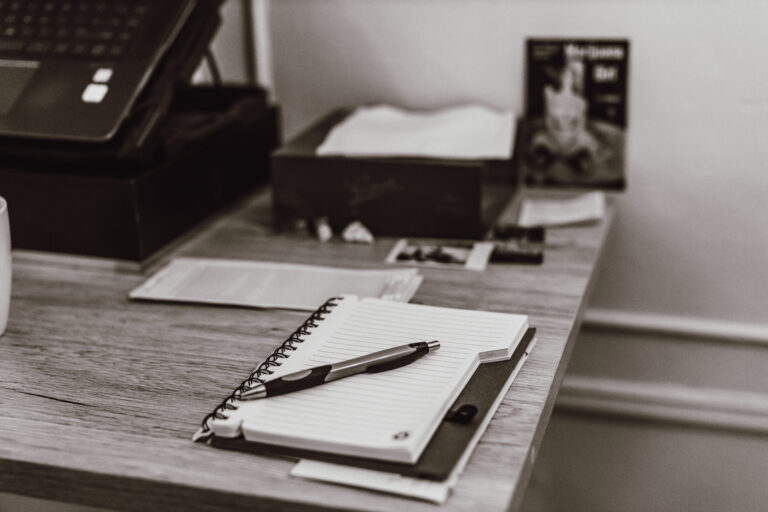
x=100 y=395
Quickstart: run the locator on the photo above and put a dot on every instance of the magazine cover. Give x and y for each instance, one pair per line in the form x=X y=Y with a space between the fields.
x=575 y=124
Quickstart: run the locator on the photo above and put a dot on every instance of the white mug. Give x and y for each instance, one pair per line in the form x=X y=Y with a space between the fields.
x=5 y=264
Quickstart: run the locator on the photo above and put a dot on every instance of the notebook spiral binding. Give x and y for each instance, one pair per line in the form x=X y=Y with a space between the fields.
x=265 y=368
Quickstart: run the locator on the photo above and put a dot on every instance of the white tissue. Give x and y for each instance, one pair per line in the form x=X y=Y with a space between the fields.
x=462 y=132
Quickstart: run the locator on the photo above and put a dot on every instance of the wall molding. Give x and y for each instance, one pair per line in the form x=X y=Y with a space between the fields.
x=669 y=402
x=677 y=326
x=665 y=402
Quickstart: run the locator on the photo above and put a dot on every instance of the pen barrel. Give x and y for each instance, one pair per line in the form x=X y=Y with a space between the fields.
x=407 y=354
x=371 y=363
x=364 y=363
x=297 y=381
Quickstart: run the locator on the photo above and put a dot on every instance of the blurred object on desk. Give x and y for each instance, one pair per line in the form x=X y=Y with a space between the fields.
x=356 y=232
x=456 y=255
x=536 y=234
x=554 y=212
x=272 y=285
x=513 y=251
x=391 y=196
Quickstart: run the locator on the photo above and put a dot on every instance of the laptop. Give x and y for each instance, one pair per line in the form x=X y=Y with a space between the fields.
x=72 y=70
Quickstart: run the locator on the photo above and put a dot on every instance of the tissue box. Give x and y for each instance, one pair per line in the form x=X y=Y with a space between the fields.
x=425 y=197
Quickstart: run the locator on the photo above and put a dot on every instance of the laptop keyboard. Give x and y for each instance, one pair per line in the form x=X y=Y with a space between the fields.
x=93 y=29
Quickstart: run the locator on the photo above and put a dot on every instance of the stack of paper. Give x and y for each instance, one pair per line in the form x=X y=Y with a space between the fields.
x=272 y=285
x=557 y=212
x=463 y=132
x=392 y=483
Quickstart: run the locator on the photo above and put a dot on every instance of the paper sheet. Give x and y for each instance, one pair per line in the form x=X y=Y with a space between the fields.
x=554 y=212
x=436 y=492
x=463 y=132
x=267 y=284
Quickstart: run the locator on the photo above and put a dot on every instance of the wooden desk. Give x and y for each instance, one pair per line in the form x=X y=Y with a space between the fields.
x=100 y=395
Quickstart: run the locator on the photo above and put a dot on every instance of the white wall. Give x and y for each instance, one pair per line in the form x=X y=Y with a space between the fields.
x=691 y=238
x=228 y=47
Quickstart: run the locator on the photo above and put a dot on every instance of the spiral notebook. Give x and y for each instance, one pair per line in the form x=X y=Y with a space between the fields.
x=389 y=416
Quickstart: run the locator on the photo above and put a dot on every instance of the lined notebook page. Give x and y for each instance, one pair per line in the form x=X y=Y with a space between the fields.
x=389 y=415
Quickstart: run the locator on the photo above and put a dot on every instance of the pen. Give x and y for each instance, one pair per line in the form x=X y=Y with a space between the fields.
x=380 y=361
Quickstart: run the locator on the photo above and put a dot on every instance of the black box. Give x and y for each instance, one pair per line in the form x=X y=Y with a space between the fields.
x=391 y=196
x=217 y=144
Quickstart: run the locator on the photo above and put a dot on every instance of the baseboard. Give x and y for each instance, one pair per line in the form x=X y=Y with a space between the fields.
x=665 y=402
x=691 y=349
x=671 y=325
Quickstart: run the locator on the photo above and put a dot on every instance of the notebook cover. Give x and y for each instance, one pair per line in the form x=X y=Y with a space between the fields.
x=447 y=444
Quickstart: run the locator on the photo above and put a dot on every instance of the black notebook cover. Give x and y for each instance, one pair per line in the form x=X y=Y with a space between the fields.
x=447 y=444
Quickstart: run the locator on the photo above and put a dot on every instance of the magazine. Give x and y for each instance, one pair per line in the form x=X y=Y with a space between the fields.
x=575 y=123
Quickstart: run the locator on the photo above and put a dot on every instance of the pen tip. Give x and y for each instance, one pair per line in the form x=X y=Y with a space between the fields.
x=433 y=345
